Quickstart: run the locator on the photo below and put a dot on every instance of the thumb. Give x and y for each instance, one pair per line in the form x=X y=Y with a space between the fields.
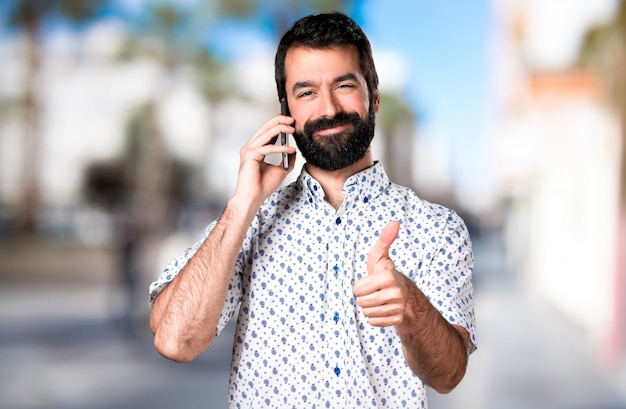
x=380 y=250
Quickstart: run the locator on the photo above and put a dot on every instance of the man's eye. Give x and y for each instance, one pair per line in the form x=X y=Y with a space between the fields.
x=305 y=94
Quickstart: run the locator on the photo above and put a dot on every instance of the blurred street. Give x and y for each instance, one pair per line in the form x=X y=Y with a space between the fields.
x=120 y=129
x=64 y=344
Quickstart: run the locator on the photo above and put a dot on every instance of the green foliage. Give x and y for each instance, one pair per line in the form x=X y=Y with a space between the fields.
x=30 y=13
x=395 y=112
x=604 y=52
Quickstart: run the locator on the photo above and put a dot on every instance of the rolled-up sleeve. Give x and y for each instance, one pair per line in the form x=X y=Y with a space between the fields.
x=175 y=267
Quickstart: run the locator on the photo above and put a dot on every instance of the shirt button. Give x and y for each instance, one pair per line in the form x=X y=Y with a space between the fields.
x=366 y=199
x=338 y=221
x=336 y=317
x=337 y=370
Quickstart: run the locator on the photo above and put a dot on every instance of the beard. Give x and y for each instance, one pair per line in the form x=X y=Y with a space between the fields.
x=339 y=150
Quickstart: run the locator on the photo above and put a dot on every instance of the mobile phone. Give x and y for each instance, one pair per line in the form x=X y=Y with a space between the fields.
x=284 y=110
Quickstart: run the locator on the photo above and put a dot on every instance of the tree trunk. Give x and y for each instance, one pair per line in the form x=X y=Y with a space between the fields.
x=28 y=209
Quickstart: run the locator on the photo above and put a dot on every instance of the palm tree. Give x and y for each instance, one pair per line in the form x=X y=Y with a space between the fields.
x=28 y=17
x=147 y=163
x=281 y=14
x=396 y=120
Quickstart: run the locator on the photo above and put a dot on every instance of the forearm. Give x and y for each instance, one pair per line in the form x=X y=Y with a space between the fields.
x=434 y=349
x=184 y=316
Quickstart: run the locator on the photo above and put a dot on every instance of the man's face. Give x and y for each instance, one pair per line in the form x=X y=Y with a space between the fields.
x=328 y=98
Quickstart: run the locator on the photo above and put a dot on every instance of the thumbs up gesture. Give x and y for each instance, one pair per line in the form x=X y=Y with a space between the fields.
x=382 y=294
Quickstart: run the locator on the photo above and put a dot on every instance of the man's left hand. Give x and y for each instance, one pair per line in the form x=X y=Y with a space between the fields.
x=382 y=294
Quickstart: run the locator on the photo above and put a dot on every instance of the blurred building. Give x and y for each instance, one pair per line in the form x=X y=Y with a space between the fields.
x=558 y=145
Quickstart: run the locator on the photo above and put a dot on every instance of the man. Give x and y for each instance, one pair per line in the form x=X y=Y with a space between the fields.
x=350 y=290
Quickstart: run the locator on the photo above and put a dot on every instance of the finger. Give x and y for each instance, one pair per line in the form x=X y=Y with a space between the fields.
x=259 y=151
x=387 y=321
x=380 y=250
x=372 y=283
x=292 y=159
x=269 y=149
x=384 y=315
x=385 y=310
x=269 y=136
x=389 y=234
x=385 y=296
x=273 y=127
x=275 y=121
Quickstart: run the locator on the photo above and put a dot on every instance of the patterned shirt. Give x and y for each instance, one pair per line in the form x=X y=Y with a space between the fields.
x=301 y=341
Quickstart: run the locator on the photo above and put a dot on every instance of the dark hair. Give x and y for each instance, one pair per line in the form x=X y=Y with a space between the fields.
x=324 y=31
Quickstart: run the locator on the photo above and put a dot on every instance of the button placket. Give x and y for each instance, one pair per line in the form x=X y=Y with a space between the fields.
x=336 y=323
x=336 y=291
x=337 y=283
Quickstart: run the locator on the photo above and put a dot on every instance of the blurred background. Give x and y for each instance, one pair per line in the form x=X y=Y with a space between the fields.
x=120 y=127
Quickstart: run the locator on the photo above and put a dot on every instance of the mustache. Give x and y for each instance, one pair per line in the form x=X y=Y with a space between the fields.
x=341 y=118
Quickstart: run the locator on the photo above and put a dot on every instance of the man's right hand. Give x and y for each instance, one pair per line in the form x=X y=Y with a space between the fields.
x=258 y=179
x=185 y=315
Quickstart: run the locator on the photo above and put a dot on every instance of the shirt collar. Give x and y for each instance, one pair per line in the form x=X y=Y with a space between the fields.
x=361 y=187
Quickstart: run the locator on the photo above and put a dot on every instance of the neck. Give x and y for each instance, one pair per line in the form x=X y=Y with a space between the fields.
x=332 y=181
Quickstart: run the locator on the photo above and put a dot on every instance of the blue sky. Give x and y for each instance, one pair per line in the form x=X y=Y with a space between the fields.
x=445 y=44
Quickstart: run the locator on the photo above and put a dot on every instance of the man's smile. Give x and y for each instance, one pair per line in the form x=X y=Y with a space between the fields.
x=333 y=130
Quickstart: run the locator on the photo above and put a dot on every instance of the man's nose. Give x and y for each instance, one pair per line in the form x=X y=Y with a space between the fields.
x=328 y=105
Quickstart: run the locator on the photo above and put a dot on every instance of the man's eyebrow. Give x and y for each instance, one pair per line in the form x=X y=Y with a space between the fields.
x=345 y=77
x=301 y=84
x=307 y=84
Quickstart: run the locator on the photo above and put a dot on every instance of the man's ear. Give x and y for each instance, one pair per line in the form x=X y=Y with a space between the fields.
x=376 y=100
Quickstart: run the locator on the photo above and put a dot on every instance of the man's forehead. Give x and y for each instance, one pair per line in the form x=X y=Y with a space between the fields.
x=304 y=49
x=321 y=60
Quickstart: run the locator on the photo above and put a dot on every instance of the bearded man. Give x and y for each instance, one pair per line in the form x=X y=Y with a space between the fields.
x=348 y=290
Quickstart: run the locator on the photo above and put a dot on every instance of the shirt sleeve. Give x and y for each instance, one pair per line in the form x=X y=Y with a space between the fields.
x=450 y=270
x=175 y=267
x=233 y=293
